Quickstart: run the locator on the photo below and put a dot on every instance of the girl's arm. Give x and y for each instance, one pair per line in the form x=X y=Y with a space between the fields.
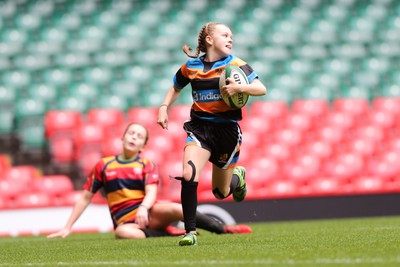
x=169 y=99
x=80 y=206
x=256 y=88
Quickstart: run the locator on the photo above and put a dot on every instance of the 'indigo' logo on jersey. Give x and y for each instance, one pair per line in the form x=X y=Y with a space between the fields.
x=207 y=95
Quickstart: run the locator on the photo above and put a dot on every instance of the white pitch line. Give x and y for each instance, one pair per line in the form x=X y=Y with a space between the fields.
x=319 y=261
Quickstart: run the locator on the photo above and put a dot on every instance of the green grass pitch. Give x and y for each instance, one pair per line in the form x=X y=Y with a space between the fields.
x=344 y=242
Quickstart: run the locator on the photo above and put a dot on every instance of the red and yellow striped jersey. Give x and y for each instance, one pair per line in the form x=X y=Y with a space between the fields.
x=204 y=79
x=124 y=184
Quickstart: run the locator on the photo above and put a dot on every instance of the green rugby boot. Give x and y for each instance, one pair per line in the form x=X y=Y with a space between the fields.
x=189 y=239
x=241 y=190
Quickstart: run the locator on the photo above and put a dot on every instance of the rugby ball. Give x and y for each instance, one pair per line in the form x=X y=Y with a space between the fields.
x=237 y=100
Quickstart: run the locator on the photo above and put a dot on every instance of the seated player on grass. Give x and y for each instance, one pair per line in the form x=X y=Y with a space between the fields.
x=130 y=183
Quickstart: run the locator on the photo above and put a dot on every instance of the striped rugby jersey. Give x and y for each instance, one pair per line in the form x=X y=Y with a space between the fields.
x=124 y=184
x=204 y=80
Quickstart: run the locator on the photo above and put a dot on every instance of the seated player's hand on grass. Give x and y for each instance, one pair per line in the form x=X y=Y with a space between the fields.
x=62 y=233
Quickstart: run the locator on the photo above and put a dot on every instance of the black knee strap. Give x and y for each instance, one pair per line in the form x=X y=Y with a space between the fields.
x=193 y=173
x=218 y=193
x=193 y=170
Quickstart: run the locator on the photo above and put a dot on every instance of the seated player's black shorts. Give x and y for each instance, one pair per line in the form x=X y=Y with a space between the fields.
x=223 y=140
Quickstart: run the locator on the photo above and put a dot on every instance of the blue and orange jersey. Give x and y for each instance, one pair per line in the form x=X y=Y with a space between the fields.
x=204 y=80
x=124 y=184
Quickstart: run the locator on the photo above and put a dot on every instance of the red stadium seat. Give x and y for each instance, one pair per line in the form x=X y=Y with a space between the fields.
x=288 y=136
x=394 y=144
x=369 y=184
x=389 y=104
x=251 y=140
x=87 y=160
x=355 y=106
x=5 y=165
x=24 y=173
x=278 y=151
x=381 y=118
x=362 y=146
x=111 y=146
x=330 y=134
x=320 y=148
x=386 y=164
x=371 y=132
x=270 y=110
x=179 y=113
x=54 y=185
x=302 y=168
x=205 y=180
x=4 y=203
x=262 y=171
x=106 y=117
x=162 y=144
x=9 y=188
x=282 y=189
x=325 y=185
x=33 y=200
x=256 y=124
x=88 y=137
x=339 y=119
x=314 y=108
x=62 y=150
x=70 y=197
x=298 y=121
x=144 y=115
x=62 y=122
x=344 y=166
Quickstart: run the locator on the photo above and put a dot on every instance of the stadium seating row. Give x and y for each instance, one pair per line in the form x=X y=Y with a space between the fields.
x=24 y=186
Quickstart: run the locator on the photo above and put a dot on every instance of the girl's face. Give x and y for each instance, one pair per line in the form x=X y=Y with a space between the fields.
x=221 y=40
x=134 y=139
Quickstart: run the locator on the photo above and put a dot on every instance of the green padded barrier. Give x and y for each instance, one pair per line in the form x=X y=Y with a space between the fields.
x=326 y=80
x=112 y=58
x=8 y=97
x=57 y=77
x=73 y=60
x=16 y=79
x=29 y=111
x=45 y=92
x=113 y=101
x=368 y=79
x=390 y=91
x=124 y=88
x=84 y=45
x=85 y=90
x=107 y=19
x=337 y=66
x=32 y=136
x=278 y=94
x=98 y=75
x=6 y=121
x=55 y=35
x=356 y=91
x=74 y=103
x=299 y=67
x=32 y=62
x=317 y=92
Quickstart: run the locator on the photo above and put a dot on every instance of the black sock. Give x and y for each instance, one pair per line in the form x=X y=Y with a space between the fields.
x=189 y=204
x=234 y=184
x=155 y=233
x=209 y=223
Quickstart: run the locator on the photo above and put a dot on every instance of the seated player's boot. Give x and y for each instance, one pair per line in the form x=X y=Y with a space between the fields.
x=189 y=239
x=174 y=231
x=241 y=190
x=237 y=229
